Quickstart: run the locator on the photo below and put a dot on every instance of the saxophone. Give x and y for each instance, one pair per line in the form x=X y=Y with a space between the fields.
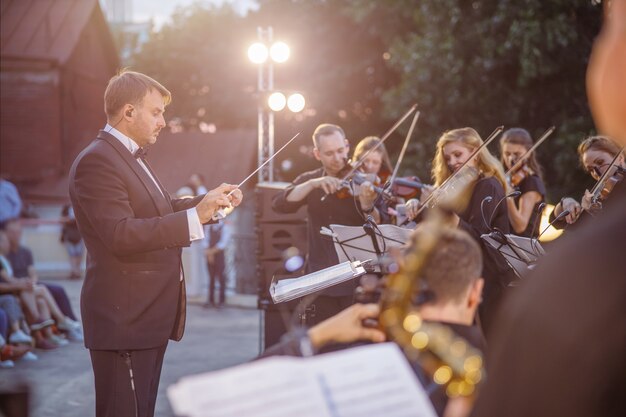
x=448 y=358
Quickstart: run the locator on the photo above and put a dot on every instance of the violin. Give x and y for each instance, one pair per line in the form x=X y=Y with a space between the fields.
x=520 y=174
x=607 y=184
x=406 y=188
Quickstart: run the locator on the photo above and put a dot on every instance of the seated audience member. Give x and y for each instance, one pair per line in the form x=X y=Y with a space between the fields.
x=37 y=302
x=15 y=344
x=21 y=259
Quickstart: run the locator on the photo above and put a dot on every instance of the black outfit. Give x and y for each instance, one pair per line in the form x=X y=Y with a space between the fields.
x=437 y=394
x=531 y=183
x=133 y=298
x=69 y=231
x=496 y=272
x=333 y=210
x=216 y=268
x=559 y=348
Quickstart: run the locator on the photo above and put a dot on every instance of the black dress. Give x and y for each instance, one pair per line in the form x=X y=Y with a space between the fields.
x=482 y=218
x=531 y=183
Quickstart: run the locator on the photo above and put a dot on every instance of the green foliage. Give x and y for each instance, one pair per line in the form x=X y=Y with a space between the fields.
x=489 y=63
x=362 y=63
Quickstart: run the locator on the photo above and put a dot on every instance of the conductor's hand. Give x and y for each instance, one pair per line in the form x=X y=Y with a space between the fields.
x=216 y=199
x=347 y=326
x=328 y=184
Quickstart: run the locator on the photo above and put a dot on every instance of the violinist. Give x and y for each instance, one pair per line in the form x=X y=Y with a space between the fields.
x=527 y=179
x=482 y=213
x=596 y=154
x=317 y=190
x=377 y=168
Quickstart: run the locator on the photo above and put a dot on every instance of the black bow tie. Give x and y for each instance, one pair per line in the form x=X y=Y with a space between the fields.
x=141 y=153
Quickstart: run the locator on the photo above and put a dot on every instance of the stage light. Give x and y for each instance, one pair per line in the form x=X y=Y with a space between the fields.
x=296 y=102
x=257 y=53
x=279 y=51
x=276 y=101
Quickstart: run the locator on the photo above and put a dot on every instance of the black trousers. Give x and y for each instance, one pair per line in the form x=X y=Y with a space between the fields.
x=216 y=273
x=114 y=394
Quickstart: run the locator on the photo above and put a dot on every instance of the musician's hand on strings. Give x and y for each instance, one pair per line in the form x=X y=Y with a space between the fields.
x=367 y=195
x=412 y=206
x=328 y=184
x=347 y=326
x=216 y=199
x=587 y=203
x=570 y=205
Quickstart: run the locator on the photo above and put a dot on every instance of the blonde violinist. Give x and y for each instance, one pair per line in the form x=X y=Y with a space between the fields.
x=482 y=212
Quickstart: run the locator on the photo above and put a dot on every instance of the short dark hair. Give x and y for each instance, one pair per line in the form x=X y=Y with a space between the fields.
x=130 y=87
x=326 y=129
x=453 y=265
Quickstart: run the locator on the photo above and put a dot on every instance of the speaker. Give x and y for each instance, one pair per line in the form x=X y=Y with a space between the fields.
x=265 y=192
x=275 y=238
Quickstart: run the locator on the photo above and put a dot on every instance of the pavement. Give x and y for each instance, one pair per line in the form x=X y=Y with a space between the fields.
x=60 y=383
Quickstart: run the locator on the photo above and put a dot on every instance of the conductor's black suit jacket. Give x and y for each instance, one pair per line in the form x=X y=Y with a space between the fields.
x=132 y=297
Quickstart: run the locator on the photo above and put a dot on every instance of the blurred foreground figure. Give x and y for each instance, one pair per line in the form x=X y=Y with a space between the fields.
x=561 y=343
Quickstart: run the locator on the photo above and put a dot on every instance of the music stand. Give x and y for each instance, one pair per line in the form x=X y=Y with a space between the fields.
x=352 y=243
x=521 y=253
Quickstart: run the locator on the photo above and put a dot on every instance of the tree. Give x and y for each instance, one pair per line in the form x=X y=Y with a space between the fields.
x=489 y=63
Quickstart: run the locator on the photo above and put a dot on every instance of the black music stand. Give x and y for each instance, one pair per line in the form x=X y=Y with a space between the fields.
x=520 y=253
x=354 y=243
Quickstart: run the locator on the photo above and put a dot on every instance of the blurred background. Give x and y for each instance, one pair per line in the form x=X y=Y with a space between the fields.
x=359 y=64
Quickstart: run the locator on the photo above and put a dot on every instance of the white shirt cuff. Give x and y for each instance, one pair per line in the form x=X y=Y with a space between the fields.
x=196 y=231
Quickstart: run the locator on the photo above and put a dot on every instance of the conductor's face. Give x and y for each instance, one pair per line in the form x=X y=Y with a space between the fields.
x=146 y=120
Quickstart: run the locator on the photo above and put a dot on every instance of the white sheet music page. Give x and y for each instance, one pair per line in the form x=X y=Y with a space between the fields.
x=373 y=380
x=272 y=387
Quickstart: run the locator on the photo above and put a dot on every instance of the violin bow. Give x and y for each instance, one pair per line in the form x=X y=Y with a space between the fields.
x=382 y=140
x=490 y=139
x=404 y=147
x=521 y=160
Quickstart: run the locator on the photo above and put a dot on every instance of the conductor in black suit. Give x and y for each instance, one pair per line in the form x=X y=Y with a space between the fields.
x=133 y=297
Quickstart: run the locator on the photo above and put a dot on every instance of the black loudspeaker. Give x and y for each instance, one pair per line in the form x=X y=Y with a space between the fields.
x=277 y=232
x=265 y=192
x=275 y=238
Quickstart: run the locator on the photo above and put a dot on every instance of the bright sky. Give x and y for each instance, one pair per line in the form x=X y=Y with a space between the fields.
x=160 y=10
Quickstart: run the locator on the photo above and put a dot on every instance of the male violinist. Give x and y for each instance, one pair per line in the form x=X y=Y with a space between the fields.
x=318 y=190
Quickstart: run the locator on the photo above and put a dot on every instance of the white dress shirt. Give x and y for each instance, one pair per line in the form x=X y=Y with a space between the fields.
x=196 y=230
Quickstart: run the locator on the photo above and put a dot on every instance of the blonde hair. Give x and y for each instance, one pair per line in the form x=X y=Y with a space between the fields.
x=130 y=87
x=486 y=163
x=368 y=143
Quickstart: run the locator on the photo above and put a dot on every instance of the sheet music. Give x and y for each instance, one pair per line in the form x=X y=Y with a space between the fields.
x=291 y=288
x=364 y=381
x=359 y=246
